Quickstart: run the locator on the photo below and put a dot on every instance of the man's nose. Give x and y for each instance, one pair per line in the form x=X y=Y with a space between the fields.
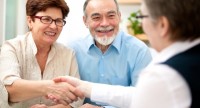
x=104 y=22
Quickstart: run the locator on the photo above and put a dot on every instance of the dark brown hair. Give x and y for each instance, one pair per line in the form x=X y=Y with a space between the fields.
x=35 y=6
x=183 y=16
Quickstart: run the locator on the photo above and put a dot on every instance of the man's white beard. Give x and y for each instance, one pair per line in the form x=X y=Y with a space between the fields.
x=105 y=40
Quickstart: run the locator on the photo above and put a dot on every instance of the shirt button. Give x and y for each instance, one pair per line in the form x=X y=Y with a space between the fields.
x=102 y=57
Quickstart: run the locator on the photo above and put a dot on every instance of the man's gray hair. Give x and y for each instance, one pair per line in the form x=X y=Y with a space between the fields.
x=87 y=1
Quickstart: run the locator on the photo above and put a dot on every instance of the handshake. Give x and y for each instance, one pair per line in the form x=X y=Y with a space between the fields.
x=75 y=89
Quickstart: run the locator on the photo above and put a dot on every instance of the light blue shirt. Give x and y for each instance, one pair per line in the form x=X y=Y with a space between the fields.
x=119 y=65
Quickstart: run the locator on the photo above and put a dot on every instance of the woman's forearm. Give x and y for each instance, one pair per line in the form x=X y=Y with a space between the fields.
x=22 y=90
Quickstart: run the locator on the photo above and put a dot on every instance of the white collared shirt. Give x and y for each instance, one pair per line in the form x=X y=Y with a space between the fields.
x=159 y=86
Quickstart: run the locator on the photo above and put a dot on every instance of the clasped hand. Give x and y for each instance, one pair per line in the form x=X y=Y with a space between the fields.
x=63 y=93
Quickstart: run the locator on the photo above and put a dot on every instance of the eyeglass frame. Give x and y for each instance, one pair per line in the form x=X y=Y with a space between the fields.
x=52 y=20
x=141 y=16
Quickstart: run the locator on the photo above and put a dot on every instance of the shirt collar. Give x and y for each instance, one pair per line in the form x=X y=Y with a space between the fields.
x=174 y=49
x=116 y=43
x=32 y=43
x=33 y=46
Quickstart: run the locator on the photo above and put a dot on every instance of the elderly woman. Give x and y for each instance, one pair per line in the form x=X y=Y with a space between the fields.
x=29 y=62
x=172 y=79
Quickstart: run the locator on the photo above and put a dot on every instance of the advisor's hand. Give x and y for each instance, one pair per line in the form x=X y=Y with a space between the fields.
x=63 y=93
x=83 y=86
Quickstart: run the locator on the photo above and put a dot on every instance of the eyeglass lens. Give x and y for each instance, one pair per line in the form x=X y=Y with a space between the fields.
x=49 y=20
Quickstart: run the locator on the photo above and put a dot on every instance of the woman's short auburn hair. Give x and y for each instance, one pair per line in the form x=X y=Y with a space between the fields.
x=35 y=6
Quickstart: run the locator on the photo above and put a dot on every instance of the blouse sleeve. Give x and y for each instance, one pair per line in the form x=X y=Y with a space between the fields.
x=9 y=66
x=4 y=96
x=117 y=96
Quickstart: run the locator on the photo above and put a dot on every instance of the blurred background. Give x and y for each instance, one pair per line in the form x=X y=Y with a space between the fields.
x=13 y=19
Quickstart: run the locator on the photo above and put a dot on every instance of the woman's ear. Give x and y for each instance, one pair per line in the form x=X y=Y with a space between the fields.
x=164 y=26
x=29 y=22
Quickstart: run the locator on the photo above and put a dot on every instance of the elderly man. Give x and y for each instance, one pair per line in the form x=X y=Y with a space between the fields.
x=108 y=55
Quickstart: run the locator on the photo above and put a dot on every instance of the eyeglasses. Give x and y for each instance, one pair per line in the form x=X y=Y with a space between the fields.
x=48 y=20
x=141 y=16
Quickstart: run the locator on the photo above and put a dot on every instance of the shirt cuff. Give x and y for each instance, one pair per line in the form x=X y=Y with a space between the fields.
x=10 y=80
x=98 y=93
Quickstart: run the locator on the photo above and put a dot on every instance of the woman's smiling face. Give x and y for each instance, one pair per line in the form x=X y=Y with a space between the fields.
x=42 y=33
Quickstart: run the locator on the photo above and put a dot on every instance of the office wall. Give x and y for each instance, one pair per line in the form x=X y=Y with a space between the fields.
x=2 y=20
x=74 y=28
x=10 y=22
x=15 y=23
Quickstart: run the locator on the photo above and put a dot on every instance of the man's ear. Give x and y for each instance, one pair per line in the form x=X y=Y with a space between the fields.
x=85 y=21
x=119 y=14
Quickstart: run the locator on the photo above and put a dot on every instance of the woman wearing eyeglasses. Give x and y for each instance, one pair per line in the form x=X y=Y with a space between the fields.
x=29 y=62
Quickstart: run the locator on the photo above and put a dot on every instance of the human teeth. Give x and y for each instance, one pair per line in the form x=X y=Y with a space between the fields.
x=50 y=33
x=107 y=29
